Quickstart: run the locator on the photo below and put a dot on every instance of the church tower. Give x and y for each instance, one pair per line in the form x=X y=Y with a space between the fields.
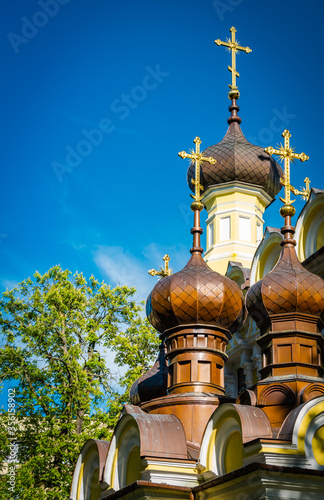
x=238 y=186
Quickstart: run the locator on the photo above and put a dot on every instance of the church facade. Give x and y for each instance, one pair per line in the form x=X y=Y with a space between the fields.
x=233 y=407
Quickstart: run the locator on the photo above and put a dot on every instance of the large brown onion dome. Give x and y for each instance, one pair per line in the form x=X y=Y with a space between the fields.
x=238 y=160
x=196 y=295
x=288 y=288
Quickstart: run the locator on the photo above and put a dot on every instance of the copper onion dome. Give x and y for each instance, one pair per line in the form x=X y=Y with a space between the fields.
x=289 y=289
x=238 y=160
x=196 y=295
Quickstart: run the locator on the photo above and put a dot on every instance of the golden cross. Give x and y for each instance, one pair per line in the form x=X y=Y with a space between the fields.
x=288 y=154
x=303 y=192
x=167 y=271
x=234 y=46
x=198 y=158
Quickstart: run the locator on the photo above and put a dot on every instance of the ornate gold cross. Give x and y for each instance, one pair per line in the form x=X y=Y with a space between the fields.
x=288 y=154
x=167 y=271
x=233 y=45
x=304 y=192
x=198 y=158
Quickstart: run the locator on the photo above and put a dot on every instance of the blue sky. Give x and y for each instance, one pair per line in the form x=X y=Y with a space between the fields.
x=149 y=77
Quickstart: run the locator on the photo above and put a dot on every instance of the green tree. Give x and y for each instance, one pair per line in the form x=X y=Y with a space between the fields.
x=55 y=332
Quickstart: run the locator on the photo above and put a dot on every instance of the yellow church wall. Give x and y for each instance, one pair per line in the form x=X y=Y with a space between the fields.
x=320 y=237
x=257 y=483
x=134 y=466
x=222 y=449
x=233 y=455
x=237 y=276
x=270 y=254
x=266 y=255
x=318 y=445
x=222 y=446
x=234 y=223
x=124 y=464
x=310 y=226
x=311 y=415
x=170 y=468
x=129 y=426
x=86 y=480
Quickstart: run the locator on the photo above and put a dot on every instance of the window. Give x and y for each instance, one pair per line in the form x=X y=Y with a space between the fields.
x=211 y=234
x=259 y=233
x=244 y=228
x=240 y=380
x=225 y=229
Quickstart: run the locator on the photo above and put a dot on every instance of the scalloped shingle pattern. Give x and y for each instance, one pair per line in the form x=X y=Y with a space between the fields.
x=195 y=295
x=238 y=160
x=289 y=287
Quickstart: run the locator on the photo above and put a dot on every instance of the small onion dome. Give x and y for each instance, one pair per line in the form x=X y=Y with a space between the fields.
x=288 y=288
x=196 y=295
x=238 y=160
x=153 y=383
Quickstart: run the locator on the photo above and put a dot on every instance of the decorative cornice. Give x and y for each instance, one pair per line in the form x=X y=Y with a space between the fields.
x=239 y=187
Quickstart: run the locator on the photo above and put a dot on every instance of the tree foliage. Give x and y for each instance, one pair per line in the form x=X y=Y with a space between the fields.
x=56 y=332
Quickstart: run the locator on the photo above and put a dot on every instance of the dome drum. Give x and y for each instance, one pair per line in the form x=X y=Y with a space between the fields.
x=196 y=337
x=296 y=321
x=291 y=352
x=196 y=357
x=288 y=322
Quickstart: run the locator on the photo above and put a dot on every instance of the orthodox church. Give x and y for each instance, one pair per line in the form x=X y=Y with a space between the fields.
x=233 y=407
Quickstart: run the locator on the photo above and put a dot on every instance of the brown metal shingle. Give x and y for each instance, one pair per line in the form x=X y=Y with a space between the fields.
x=238 y=160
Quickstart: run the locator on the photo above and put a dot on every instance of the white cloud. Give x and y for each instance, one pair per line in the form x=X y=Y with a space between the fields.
x=123 y=268
x=179 y=255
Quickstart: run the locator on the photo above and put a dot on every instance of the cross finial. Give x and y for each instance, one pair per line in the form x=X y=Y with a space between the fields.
x=198 y=158
x=287 y=153
x=167 y=271
x=233 y=46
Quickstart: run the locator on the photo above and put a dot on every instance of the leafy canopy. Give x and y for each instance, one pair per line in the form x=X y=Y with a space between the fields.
x=56 y=332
